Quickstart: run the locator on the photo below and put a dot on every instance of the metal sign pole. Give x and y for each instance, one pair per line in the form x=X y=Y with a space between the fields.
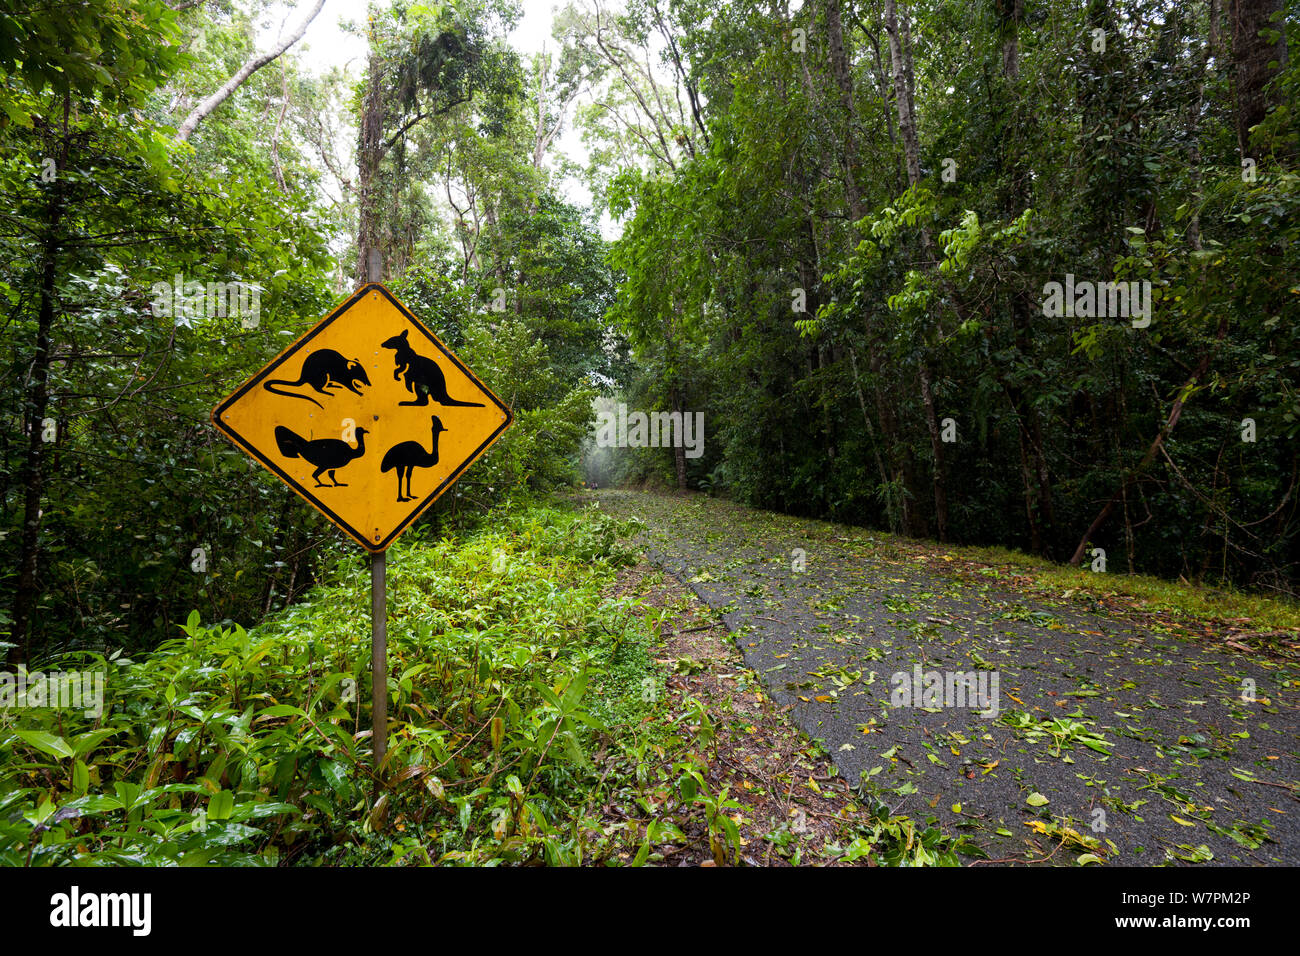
x=378 y=613
x=379 y=656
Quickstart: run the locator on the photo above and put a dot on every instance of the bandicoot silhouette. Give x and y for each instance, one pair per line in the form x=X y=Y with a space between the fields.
x=408 y=456
x=323 y=369
x=327 y=454
x=424 y=379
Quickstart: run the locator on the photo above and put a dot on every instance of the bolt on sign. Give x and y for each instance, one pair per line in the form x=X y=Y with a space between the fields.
x=368 y=416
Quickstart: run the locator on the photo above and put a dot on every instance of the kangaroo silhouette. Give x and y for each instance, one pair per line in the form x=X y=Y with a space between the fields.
x=408 y=456
x=424 y=379
x=327 y=454
x=323 y=369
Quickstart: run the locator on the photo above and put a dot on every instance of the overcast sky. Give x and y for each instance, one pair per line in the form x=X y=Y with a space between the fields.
x=331 y=46
x=326 y=44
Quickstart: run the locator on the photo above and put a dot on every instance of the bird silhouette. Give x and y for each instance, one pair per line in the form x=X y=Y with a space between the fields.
x=408 y=456
x=327 y=454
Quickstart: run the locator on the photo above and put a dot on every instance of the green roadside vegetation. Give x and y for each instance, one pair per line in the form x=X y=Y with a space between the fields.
x=250 y=747
x=1187 y=600
x=1221 y=605
x=535 y=718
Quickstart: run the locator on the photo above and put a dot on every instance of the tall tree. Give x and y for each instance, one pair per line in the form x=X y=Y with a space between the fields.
x=1259 y=52
x=254 y=63
x=423 y=64
x=900 y=53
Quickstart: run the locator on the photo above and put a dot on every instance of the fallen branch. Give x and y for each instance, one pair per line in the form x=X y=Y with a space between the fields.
x=692 y=630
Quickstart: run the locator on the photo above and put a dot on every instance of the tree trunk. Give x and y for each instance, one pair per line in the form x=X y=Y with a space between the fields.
x=1258 y=60
x=1026 y=480
x=369 y=153
x=900 y=54
x=871 y=434
x=254 y=63
x=679 y=448
x=936 y=447
x=1012 y=12
x=1194 y=132
x=898 y=454
x=844 y=80
x=1033 y=459
x=33 y=477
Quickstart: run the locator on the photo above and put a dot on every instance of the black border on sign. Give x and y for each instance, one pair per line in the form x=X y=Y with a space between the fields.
x=315 y=502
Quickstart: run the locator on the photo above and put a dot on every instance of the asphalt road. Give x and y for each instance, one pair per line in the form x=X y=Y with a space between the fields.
x=1150 y=747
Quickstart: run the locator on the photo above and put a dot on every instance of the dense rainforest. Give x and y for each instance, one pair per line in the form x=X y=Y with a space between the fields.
x=878 y=197
x=841 y=223
x=123 y=510
x=983 y=272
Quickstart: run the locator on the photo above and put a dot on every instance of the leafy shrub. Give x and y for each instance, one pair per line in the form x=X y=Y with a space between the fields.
x=237 y=747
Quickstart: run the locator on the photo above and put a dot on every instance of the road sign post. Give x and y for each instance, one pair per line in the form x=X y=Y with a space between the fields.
x=368 y=397
x=379 y=656
x=378 y=618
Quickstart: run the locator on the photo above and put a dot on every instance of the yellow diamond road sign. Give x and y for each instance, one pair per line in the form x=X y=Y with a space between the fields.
x=368 y=416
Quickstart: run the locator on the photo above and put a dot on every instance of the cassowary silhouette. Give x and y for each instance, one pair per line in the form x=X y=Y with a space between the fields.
x=408 y=456
x=327 y=454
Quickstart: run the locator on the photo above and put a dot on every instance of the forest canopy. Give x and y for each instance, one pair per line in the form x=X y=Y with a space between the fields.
x=887 y=205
